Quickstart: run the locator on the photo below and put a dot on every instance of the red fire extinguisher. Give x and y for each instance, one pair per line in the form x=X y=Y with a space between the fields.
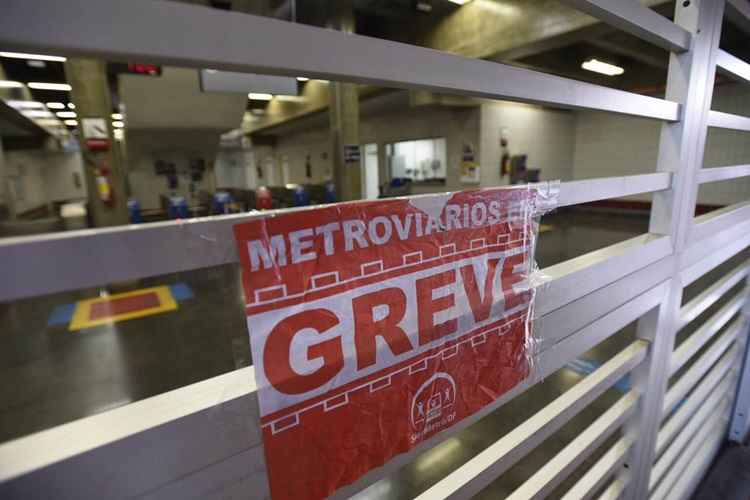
x=103 y=184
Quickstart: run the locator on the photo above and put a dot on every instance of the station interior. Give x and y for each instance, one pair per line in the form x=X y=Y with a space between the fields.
x=187 y=143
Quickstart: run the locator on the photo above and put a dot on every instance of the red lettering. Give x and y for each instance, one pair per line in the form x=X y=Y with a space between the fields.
x=276 y=353
x=366 y=329
x=509 y=278
x=480 y=306
x=427 y=306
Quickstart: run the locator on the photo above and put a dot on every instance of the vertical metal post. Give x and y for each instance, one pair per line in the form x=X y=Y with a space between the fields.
x=690 y=82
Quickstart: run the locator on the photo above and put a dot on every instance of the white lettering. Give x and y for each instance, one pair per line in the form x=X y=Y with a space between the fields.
x=299 y=245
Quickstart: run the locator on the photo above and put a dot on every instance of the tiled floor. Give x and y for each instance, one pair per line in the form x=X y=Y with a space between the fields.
x=50 y=375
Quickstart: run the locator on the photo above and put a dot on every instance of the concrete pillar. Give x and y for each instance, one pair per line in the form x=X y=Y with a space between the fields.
x=344 y=114
x=6 y=198
x=91 y=95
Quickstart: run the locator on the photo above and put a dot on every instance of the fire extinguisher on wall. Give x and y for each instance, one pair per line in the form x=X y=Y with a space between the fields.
x=103 y=184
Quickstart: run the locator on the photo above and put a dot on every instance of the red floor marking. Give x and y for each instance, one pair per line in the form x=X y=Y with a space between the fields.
x=123 y=305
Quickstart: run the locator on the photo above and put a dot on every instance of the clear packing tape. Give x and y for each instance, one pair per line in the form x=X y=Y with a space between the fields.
x=375 y=325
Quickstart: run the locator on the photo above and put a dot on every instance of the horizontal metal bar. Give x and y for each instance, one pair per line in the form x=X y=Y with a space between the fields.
x=614 y=490
x=710 y=295
x=565 y=321
x=601 y=471
x=728 y=120
x=740 y=422
x=696 y=470
x=480 y=471
x=161 y=439
x=174 y=246
x=733 y=66
x=706 y=414
x=713 y=222
x=702 y=256
x=576 y=192
x=707 y=434
x=240 y=42
x=634 y=18
x=716 y=174
x=570 y=280
x=547 y=362
x=706 y=332
x=696 y=372
x=216 y=409
x=546 y=479
x=714 y=386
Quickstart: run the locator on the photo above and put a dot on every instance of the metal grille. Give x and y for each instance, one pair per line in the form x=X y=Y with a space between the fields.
x=177 y=443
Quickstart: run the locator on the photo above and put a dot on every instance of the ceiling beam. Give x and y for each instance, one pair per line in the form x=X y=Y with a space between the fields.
x=641 y=52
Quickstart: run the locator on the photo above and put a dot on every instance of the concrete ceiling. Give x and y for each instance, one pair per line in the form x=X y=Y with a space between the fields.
x=175 y=101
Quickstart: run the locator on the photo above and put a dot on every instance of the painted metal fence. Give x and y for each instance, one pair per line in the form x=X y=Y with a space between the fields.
x=202 y=440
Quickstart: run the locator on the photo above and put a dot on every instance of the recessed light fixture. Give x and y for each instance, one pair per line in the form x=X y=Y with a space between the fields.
x=48 y=122
x=49 y=86
x=460 y=2
x=118 y=124
x=71 y=123
x=116 y=116
x=602 y=67
x=55 y=105
x=10 y=84
x=424 y=7
x=290 y=98
x=256 y=96
x=119 y=134
x=66 y=114
x=258 y=112
x=302 y=78
x=71 y=105
x=34 y=57
x=36 y=113
x=25 y=104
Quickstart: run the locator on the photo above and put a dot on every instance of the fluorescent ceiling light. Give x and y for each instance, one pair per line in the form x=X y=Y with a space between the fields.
x=601 y=67
x=55 y=105
x=259 y=97
x=70 y=123
x=290 y=98
x=49 y=86
x=49 y=122
x=36 y=113
x=25 y=104
x=71 y=105
x=9 y=84
x=116 y=116
x=460 y=2
x=118 y=124
x=302 y=78
x=66 y=114
x=119 y=134
x=36 y=57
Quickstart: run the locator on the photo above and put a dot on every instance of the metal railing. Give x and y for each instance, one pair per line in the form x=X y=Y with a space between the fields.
x=204 y=438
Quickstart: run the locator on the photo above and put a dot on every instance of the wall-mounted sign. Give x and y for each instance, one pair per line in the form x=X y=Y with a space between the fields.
x=94 y=128
x=351 y=153
x=374 y=326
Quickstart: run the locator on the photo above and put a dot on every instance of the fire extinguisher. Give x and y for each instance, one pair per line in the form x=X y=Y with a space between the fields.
x=103 y=184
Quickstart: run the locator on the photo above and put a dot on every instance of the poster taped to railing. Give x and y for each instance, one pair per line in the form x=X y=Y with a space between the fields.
x=376 y=325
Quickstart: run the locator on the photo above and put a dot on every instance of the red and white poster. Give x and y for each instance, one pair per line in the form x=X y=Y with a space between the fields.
x=375 y=325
